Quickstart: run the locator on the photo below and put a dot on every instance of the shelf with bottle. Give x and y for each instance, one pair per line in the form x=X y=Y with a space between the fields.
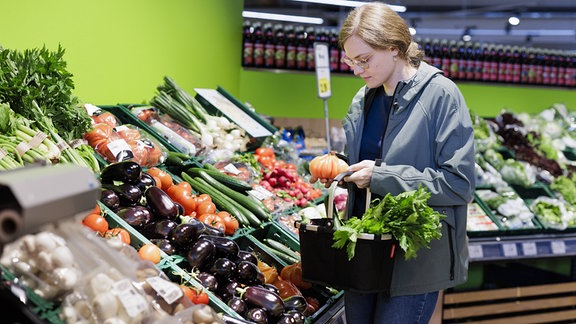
x=290 y=47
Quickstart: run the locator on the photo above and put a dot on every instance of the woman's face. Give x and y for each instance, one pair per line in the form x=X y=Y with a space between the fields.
x=375 y=66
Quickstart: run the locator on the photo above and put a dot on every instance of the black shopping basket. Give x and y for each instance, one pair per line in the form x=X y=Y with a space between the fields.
x=370 y=270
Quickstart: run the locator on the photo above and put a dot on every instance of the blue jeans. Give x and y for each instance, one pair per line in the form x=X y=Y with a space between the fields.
x=375 y=308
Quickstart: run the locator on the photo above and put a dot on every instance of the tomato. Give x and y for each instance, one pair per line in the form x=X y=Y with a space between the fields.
x=96 y=222
x=185 y=186
x=213 y=220
x=150 y=252
x=202 y=198
x=120 y=232
x=182 y=195
x=230 y=222
x=196 y=296
x=165 y=178
x=206 y=207
x=265 y=151
x=158 y=181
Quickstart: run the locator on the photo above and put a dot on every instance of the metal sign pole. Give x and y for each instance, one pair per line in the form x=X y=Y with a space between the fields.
x=322 y=65
x=327 y=120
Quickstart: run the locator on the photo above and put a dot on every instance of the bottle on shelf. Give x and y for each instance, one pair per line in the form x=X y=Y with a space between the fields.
x=247 y=44
x=539 y=66
x=445 y=57
x=269 y=46
x=334 y=49
x=310 y=39
x=454 y=63
x=279 y=47
x=290 y=47
x=427 y=48
x=436 y=54
x=501 y=64
x=258 y=45
x=516 y=65
x=561 y=79
x=478 y=61
x=462 y=62
x=301 y=48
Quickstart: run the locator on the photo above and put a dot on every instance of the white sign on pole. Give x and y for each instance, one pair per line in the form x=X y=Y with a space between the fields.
x=322 y=63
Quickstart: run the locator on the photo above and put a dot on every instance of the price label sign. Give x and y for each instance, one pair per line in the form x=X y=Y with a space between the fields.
x=475 y=251
x=529 y=248
x=509 y=249
x=322 y=63
x=558 y=247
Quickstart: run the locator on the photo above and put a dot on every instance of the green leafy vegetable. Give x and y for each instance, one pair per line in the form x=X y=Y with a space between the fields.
x=407 y=217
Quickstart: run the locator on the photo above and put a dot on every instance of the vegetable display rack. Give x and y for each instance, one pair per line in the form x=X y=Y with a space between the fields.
x=370 y=270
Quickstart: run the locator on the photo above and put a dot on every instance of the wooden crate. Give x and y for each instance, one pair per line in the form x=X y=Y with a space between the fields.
x=528 y=304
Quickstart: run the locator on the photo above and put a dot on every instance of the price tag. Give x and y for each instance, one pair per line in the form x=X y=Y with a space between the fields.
x=558 y=247
x=231 y=168
x=322 y=64
x=475 y=251
x=529 y=248
x=509 y=249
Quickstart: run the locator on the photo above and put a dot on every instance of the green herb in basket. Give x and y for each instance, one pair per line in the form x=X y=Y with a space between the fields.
x=407 y=217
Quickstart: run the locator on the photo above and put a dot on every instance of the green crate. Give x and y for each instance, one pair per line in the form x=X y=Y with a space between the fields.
x=273 y=230
x=570 y=153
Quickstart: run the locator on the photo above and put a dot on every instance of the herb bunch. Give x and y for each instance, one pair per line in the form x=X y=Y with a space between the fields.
x=407 y=217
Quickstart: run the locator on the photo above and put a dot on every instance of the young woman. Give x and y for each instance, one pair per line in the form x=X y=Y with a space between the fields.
x=408 y=126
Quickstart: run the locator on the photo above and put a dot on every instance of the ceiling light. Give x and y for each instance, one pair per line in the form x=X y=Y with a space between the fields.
x=412 y=31
x=467 y=34
x=270 y=16
x=348 y=3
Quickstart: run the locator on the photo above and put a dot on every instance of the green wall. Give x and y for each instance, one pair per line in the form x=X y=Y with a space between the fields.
x=119 y=51
x=294 y=95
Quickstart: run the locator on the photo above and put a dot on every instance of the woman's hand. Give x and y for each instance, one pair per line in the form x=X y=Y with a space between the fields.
x=362 y=173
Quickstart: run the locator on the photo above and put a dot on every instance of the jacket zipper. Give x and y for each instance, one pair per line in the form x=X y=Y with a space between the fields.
x=451 y=245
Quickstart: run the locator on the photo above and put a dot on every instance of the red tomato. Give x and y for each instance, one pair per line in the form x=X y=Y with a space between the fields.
x=96 y=222
x=120 y=232
x=196 y=296
x=165 y=178
x=230 y=222
x=183 y=196
x=150 y=252
x=206 y=207
x=213 y=220
x=265 y=151
x=202 y=198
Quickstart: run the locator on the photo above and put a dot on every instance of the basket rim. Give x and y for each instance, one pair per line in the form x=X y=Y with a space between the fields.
x=361 y=236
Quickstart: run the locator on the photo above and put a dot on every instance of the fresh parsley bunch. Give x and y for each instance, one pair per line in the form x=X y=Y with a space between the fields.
x=407 y=217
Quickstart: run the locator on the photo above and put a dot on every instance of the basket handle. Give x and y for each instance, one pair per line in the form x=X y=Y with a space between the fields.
x=331 y=192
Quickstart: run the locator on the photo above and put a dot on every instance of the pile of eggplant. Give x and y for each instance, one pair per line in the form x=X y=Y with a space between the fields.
x=215 y=260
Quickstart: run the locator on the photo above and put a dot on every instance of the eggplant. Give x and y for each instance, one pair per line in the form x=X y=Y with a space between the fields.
x=237 y=304
x=180 y=208
x=298 y=317
x=208 y=280
x=211 y=230
x=135 y=216
x=257 y=315
x=286 y=319
x=202 y=251
x=184 y=235
x=296 y=302
x=158 y=229
x=228 y=290
x=261 y=297
x=249 y=274
x=223 y=268
x=272 y=288
x=129 y=194
x=161 y=205
x=145 y=181
x=244 y=255
x=124 y=171
x=109 y=198
x=225 y=246
x=164 y=245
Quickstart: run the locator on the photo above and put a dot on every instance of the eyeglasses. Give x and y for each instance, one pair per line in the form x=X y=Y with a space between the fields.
x=363 y=63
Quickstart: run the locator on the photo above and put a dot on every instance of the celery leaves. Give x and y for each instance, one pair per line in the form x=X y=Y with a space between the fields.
x=407 y=217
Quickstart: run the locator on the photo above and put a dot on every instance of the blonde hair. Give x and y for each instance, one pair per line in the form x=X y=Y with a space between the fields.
x=381 y=28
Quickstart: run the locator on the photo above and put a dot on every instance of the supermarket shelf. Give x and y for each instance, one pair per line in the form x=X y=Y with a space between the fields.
x=522 y=247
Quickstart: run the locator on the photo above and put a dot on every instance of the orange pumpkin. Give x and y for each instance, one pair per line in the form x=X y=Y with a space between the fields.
x=327 y=166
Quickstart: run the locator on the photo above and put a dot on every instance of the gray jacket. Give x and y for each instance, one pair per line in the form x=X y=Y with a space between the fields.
x=429 y=142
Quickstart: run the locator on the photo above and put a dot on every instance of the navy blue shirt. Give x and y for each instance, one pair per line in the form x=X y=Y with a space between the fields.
x=375 y=123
